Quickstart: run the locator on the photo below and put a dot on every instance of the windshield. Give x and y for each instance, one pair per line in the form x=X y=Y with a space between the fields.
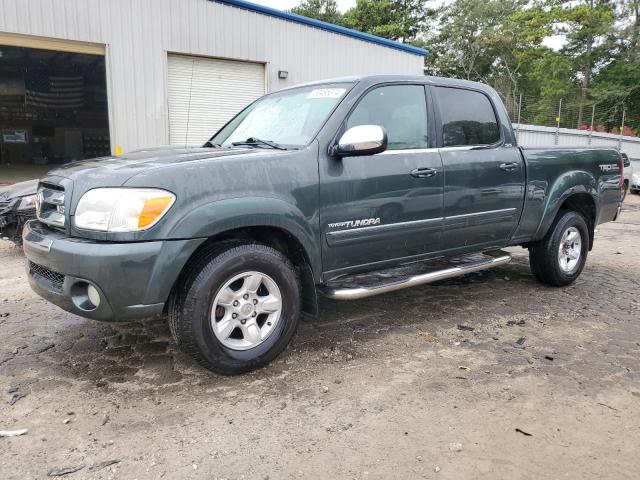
x=288 y=119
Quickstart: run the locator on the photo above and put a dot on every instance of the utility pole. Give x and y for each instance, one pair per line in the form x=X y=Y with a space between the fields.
x=519 y=118
x=558 y=122
x=624 y=111
x=593 y=114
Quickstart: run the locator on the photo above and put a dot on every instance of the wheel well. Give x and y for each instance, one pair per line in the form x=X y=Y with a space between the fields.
x=583 y=204
x=282 y=241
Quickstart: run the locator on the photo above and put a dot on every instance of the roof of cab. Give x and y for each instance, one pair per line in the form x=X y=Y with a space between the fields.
x=375 y=79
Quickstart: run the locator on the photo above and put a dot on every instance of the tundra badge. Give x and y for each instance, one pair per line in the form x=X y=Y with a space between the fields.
x=365 y=222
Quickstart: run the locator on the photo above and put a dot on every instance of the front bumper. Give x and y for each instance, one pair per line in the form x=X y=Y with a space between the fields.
x=133 y=280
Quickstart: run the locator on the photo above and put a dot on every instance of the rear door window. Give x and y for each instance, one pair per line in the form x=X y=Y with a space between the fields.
x=467 y=117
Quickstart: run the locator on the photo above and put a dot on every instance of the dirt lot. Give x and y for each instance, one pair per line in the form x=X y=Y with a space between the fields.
x=539 y=383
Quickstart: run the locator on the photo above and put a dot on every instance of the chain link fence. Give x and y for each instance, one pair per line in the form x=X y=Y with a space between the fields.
x=570 y=113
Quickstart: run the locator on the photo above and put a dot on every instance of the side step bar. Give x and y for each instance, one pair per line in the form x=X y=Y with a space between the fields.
x=489 y=260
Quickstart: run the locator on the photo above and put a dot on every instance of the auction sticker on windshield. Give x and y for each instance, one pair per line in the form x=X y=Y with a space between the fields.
x=326 y=93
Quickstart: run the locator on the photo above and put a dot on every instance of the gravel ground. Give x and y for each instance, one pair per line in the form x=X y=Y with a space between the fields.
x=491 y=375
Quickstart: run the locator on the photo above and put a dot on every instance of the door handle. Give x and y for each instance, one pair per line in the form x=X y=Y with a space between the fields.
x=423 y=172
x=509 y=166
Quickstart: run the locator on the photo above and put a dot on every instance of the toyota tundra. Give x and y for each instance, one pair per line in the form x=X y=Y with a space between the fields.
x=350 y=187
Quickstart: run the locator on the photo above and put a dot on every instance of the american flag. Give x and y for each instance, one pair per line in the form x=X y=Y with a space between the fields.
x=55 y=92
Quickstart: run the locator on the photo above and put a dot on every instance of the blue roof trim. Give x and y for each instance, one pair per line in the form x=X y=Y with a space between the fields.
x=323 y=26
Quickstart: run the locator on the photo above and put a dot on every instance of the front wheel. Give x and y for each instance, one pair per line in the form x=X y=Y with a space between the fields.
x=237 y=308
x=558 y=259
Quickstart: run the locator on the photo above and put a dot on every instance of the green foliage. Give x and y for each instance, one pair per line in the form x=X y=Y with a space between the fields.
x=505 y=43
x=324 y=10
x=617 y=86
x=502 y=43
x=393 y=19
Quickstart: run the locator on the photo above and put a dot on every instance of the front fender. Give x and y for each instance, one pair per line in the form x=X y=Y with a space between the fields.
x=234 y=213
x=566 y=185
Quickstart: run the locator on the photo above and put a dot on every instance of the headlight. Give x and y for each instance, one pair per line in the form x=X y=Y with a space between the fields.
x=122 y=209
x=27 y=203
x=636 y=177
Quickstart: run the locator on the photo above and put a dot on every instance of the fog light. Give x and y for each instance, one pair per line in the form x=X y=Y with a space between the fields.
x=94 y=296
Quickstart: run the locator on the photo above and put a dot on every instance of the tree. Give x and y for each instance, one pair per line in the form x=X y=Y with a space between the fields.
x=587 y=25
x=324 y=10
x=616 y=85
x=617 y=88
x=494 y=41
x=501 y=42
x=466 y=31
x=630 y=31
x=400 y=20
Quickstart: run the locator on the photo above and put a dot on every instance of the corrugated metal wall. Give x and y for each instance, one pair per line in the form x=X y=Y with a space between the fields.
x=139 y=33
x=536 y=136
x=205 y=93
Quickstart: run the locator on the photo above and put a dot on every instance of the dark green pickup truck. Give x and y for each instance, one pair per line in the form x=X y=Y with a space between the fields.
x=350 y=187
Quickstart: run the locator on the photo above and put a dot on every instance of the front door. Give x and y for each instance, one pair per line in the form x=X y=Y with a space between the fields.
x=383 y=207
x=484 y=178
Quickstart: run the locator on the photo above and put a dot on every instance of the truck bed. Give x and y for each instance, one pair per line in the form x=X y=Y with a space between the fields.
x=554 y=173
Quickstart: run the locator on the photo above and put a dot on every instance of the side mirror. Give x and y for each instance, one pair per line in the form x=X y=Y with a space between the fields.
x=362 y=140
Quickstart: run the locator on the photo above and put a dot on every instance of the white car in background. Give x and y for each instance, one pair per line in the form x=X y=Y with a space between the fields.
x=634 y=186
x=629 y=178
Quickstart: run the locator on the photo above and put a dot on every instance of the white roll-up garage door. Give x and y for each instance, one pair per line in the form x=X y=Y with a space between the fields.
x=204 y=93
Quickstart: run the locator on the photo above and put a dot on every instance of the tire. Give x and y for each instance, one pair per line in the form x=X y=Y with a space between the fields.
x=625 y=189
x=197 y=327
x=544 y=255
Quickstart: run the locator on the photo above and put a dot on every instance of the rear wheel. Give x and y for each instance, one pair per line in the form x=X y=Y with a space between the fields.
x=237 y=308
x=625 y=189
x=558 y=259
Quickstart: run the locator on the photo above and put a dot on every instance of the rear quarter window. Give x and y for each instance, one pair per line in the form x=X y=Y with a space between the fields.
x=467 y=117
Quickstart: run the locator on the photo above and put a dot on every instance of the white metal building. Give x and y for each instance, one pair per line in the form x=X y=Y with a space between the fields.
x=169 y=66
x=538 y=136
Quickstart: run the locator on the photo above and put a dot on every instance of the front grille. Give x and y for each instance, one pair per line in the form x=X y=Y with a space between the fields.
x=54 y=278
x=50 y=205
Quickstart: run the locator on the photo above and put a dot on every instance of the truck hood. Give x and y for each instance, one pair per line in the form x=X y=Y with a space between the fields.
x=119 y=169
x=152 y=167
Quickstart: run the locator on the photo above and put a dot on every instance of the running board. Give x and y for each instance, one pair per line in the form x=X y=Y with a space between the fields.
x=368 y=285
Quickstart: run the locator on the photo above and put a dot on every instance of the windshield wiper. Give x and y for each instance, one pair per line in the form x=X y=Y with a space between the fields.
x=254 y=142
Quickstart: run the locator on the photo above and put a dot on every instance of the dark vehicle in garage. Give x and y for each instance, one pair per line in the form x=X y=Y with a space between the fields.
x=352 y=187
x=17 y=206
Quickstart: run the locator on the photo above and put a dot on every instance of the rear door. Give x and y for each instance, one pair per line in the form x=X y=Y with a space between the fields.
x=484 y=176
x=378 y=208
